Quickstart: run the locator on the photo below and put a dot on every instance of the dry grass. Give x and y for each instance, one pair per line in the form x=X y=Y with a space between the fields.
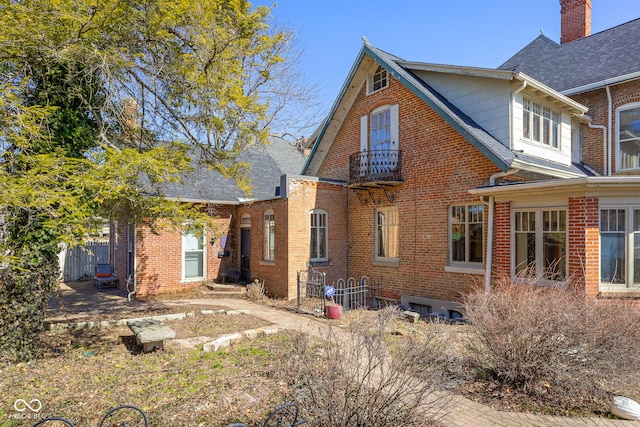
x=82 y=374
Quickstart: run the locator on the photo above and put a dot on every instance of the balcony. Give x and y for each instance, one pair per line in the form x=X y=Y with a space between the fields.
x=375 y=168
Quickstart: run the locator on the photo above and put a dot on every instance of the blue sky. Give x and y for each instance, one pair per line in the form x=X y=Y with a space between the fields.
x=462 y=32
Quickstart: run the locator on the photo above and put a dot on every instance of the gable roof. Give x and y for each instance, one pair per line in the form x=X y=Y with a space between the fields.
x=490 y=147
x=268 y=164
x=610 y=56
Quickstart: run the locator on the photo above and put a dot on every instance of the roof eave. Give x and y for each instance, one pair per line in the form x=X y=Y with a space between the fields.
x=602 y=83
x=531 y=82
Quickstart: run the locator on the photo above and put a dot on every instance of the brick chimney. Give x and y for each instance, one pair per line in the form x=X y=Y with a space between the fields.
x=575 y=19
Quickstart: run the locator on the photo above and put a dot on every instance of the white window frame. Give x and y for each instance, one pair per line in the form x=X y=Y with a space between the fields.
x=460 y=228
x=542 y=123
x=389 y=231
x=269 y=236
x=540 y=274
x=628 y=162
x=631 y=232
x=377 y=80
x=319 y=222
x=188 y=237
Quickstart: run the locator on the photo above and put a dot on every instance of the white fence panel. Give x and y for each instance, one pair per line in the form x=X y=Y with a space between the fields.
x=78 y=263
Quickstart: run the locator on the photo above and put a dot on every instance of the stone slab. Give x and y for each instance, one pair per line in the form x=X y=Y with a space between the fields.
x=150 y=333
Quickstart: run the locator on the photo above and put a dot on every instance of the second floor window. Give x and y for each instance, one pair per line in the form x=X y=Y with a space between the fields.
x=628 y=131
x=379 y=141
x=269 y=236
x=540 y=124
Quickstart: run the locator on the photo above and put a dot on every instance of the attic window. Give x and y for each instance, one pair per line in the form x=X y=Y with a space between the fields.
x=377 y=80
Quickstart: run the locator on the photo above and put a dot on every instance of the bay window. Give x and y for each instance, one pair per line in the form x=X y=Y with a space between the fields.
x=269 y=236
x=318 y=235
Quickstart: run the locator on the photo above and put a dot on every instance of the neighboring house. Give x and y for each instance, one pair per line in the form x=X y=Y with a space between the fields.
x=167 y=261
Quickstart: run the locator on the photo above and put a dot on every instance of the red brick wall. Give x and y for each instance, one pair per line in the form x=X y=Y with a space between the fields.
x=596 y=100
x=159 y=255
x=274 y=273
x=439 y=167
x=304 y=196
x=584 y=244
x=292 y=229
x=502 y=241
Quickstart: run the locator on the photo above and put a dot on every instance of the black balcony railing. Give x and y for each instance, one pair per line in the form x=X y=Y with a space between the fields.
x=370 y=167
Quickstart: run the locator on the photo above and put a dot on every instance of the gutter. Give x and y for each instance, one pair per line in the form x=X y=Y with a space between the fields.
x=600 y=182
x=601 y=83
x=609 y=122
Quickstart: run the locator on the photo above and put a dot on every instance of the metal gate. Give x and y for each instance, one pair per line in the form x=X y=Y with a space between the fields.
x=311 y=285
x=350 y=293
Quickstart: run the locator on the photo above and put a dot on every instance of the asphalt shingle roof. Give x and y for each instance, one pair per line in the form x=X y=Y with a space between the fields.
x=600 y=56
x=268 y=163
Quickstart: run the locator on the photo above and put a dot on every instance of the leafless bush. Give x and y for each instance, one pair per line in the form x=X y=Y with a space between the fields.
x=256 y=290
x=359 y=377
x=537 y=338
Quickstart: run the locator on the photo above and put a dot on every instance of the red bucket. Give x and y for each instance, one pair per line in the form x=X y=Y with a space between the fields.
x=333 y=311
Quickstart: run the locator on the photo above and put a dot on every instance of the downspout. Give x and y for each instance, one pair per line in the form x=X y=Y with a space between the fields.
x=610 y=119
x=133 y=274
x=490 y=221
x=604 y=142
x=491 y=202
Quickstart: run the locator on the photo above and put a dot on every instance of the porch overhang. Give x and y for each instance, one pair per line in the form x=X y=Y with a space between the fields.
x=583 y=186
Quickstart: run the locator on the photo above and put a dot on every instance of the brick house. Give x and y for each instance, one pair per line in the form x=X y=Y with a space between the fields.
x=458 y=174
x=432 y=179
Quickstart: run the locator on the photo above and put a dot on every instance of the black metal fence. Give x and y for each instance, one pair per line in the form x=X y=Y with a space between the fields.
x=313 y=292
x=311 y=284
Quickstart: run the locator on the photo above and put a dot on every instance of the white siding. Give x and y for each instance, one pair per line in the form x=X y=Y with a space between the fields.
x=485 y=100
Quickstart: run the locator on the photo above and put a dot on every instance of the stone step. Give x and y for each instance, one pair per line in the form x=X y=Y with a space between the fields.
x=227 y=289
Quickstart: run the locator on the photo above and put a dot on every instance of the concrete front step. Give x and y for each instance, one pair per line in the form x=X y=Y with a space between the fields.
x=219 y=289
